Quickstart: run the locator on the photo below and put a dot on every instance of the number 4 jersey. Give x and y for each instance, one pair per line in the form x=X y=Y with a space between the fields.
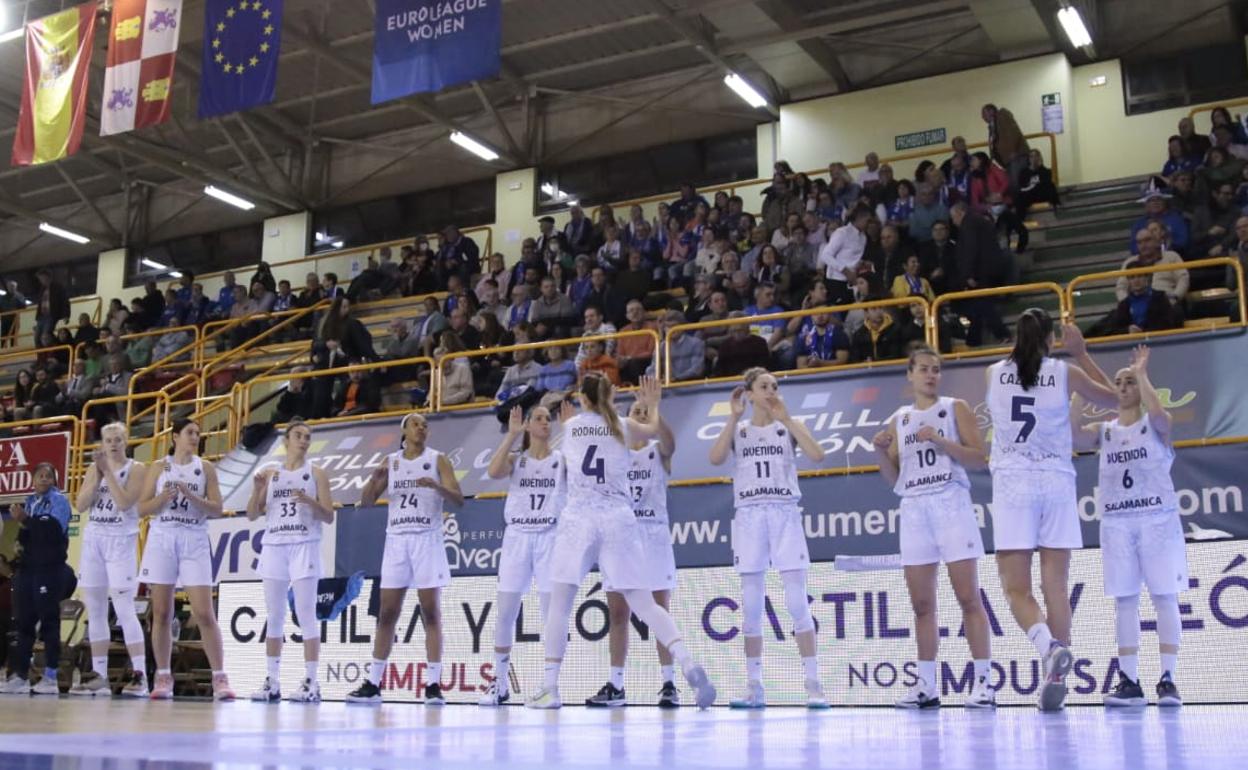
x=1030 y=428
x=535 y=497
x=413 y=508
x=597 y=460
x=925 y=469
x=766 y=466
x=287 y=520
x=1134 y=470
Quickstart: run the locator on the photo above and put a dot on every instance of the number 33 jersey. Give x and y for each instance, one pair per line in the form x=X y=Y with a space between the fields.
x=413 y=508
x=597 y=460
x=286 y=519
x=1030 y=428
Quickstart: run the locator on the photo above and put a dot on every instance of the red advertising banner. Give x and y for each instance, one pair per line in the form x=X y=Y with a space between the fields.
x=20 y=454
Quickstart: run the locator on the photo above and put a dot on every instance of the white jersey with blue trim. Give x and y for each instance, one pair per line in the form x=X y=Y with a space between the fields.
x=106 y=517
x=286 y=519
x=1030 y=428
x=1134 y=470
x=598 y=461
x=537 y=492
x=766 y=465
x=647 y=484
x=179 y=513
x=923 y=467
x=413 y=508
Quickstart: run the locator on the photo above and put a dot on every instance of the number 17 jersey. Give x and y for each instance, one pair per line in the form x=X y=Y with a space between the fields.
x=1030 y=428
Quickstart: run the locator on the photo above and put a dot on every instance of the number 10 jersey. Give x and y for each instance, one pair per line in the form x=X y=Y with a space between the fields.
x=1030 y=428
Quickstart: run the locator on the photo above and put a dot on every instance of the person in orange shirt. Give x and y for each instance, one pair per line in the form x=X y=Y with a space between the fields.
x=634 y=353
x=597 y=360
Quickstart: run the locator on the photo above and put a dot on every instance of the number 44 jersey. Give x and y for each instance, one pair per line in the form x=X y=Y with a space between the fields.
x=1030 y=428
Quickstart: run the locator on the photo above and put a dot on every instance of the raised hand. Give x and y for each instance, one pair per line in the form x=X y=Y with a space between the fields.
x=777 y=407
x=737 y=402
x=650 y=392
x=566 y=410
x=101 y=464
x=1072 y=340
x=515 y=422
x=1139 y=359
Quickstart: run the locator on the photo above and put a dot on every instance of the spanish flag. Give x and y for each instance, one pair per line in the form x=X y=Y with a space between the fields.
x=54 y=94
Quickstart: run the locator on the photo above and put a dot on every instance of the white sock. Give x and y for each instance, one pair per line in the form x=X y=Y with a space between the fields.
x=100 y=665
x=218 y=673
x=376 y=670
x=1169 y=662
x=435 y=673
x=754 y=669
x=617 y=677
x=681 y=654
x=983 y=668
x=502 y=667
x=669 y=674
x=309 y=670
x=811 y=667
x=273 y=667
x=139 y=664
x=927 y=670
x=164 y=672
x=550 y=677
x=1041 y=638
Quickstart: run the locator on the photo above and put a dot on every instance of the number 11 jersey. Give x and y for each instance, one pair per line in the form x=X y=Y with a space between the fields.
x=766 y=466
x=1030 y=428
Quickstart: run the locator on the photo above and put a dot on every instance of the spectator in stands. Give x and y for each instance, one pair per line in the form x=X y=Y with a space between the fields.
x=52 y=305
x=1183 y=195
x=519 y=382
x=341 y=337
x=1194 y=145
x=459 y=323
x=1227 y=138
x=370 y=285
x=1173 y=283
x=77 y=390
x=708 y=253
x=636 y=281
x=840 y=257
x=699 y=304
x=772 y=270
x=719 y=310
x=688 y=354
x=87 y=331
x=822 y=343
x=1220 y=166
x=458 y=255
x=1177 y=159
x=500 y=275
x=893 y=253
x=911 y=327
x=927 y=211
x=897 y=213
x=558 y=374
x=546 y=234
x=780 y=199
x=285 y=299
x=264 y=276
x=311 y=293
x=226 y=296
x=136 y=315
x=782 y=235
x=578 y=233
x=488 y=370
x=648 y=245
x=1006 y=143
x=957 y=180
x=604 y=219
x=153 y=303
x=845 y=193
x=296 y=399
x=595 y=325
x=959 y=151
x=329 y=286
x=117 y=315
x=199 y=309
x=610 y=302
x=1144 y=309
x=869 y=176
x=682 y=209
x=115 y=383
x=551 y=314
x=488 y=292
x=401 y=344
x=800 y=260
x=23 y=397
x=240 y=310
x=169 y=343
x=1213 y=227
x=740 y=290
x=981 y=264
x=1156 y=208
x=910 y=283
x=610 y=254
x=521 y=306
x=636 y=218
x=44 y=394
x=1035 y=185
x=635 y=354
x=598 y=360
x=11 y=301
x=420 y=277
x=457 y=387
x=758 y=239
x=878 y=339
x=138 y=349
x=173 y=311
x=93 y=353
x=357 y=393
x=986 y=179
x=739 y=349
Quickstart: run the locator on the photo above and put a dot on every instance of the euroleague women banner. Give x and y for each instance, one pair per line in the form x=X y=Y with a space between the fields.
x=841 y=410
x=425 y=46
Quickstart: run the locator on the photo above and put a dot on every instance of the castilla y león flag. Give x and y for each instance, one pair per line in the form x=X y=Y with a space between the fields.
x=54 y=93
x=138 y=75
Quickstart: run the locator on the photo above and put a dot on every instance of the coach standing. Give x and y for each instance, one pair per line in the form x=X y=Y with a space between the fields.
x=43 y=578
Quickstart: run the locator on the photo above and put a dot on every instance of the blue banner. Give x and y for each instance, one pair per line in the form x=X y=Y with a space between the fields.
x=425 y=46
x=242 y=41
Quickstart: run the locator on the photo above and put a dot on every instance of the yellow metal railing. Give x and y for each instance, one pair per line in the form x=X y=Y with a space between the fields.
x=1211 y=107
x=92 y=305
x=996 y=291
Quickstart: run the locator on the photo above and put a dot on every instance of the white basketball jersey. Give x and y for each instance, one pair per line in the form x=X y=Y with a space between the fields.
x=766 y=466
x=924 y=468
x=179 y=513
x=106 y=517
x=647 y=484
x=597 y=460
x=1134 y=470
x=1030 y=428
x=413 y=508
x=538 y=489
x=287 y=520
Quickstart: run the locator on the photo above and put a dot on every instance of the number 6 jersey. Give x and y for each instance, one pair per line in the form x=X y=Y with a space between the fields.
x=1134 y=470
x=413 y=508
x=924 y=468
x=1030 y=428
x=287 y=520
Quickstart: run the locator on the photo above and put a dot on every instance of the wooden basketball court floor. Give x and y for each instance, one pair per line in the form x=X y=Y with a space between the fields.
x=71 y=733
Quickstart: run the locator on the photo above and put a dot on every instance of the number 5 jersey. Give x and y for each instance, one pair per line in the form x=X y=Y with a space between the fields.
x=1030 y=428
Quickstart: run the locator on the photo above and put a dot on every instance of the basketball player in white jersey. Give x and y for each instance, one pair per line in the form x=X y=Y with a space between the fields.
x=535 y=497
x=1034 y=504
x=1141 y=535
x=181 y=493
x=109 y=560
x=418 y=482
x=647 y=491
x=295 y=500
x=924 y=453
x=598 y=525
x=767 y=524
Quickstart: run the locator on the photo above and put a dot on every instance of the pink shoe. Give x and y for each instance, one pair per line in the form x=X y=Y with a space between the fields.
x=221 y=687
x=163 y=688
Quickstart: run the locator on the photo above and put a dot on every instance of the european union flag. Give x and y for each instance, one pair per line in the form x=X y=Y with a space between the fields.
x=242 y=39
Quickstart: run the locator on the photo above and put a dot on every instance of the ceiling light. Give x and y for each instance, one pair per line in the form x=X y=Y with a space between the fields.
x=336 y=244
x=1072 y=24
x=230 y=198
x=61 y=233
x=473 y=146
x=175 y=274
x=153 y=264
x=742 y=88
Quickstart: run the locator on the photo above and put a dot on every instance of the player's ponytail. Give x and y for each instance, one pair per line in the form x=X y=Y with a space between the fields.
x=1031 y=345
x=596 y=389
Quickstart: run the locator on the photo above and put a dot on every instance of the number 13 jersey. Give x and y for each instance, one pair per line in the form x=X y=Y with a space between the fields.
x=766 y=466
x=1030 y=428
x=413 y=508
x=286 y=519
